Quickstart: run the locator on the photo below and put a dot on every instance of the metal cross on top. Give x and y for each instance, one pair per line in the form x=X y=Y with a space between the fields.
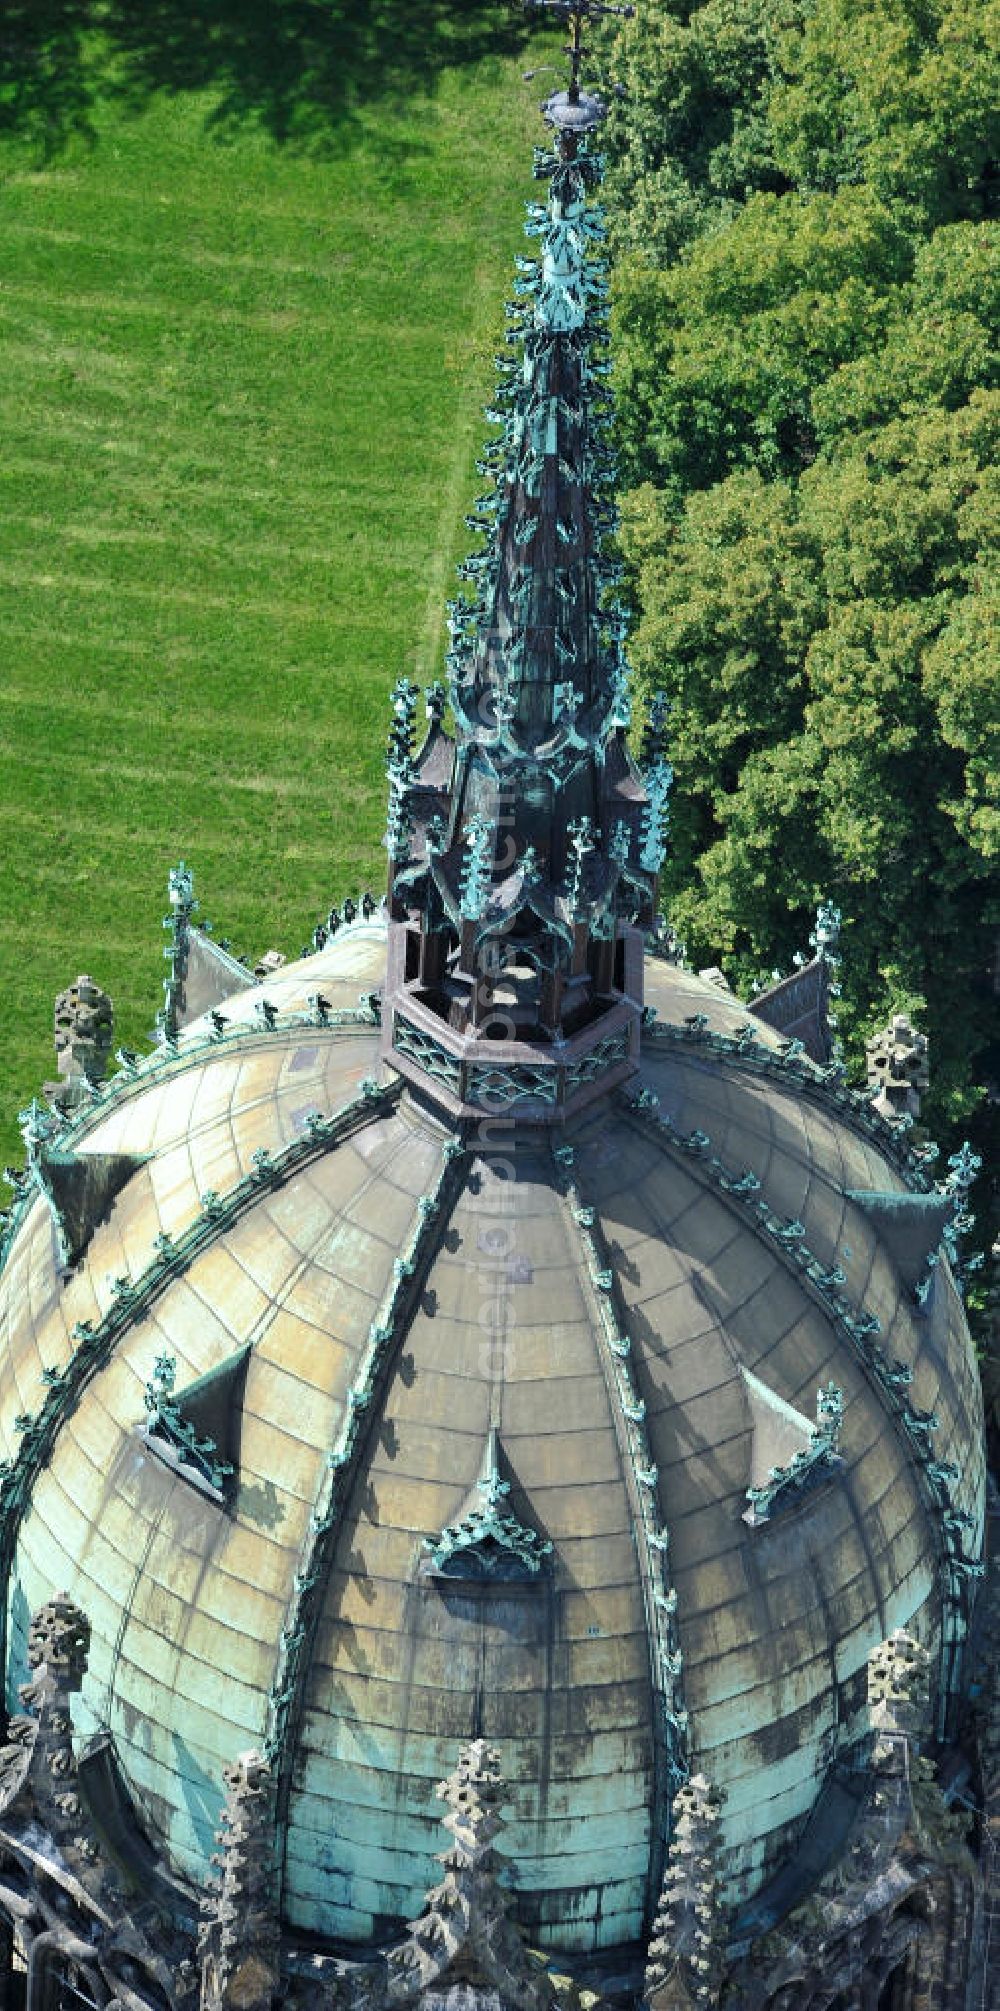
x=577 y=12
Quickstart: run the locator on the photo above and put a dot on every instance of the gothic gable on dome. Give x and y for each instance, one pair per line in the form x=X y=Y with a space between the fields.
x=488 y=1541
x=197 y=1428
x=911 y=1227
x=789 y=1454
x=79 y=1187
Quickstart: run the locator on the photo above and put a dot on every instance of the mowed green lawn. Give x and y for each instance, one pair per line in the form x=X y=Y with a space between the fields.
x=242 y=385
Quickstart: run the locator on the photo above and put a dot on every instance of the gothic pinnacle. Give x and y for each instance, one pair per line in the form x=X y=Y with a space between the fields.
x=524 y=851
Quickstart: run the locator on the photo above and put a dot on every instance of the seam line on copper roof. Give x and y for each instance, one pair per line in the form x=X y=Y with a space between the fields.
x=287 y=1697
x=132 y=1298
x=889 y=1378
x=670 y=1718
x=174 y=1058
x=792 y=1071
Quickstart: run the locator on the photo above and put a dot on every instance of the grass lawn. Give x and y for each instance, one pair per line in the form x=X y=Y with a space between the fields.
x=248 y=304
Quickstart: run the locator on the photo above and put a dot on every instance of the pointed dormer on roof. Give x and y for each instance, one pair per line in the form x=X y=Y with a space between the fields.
x=488 y=1541
x=524 y=850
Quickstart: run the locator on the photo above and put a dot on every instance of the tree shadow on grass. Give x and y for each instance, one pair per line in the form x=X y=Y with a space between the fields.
x=300 y=70
x=45 y=91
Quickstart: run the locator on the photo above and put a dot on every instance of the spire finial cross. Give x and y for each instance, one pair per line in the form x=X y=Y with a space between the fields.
x=576 y=12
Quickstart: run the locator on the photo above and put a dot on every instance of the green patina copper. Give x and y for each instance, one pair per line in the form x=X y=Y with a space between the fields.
x=286 y=1699
x=359 y=1584
x=813 y=1461
x=361 y=1731
x=524 y=851
x=49 y=1163
x=131 y=1300
x=911 y=1158
x=672 y=1722
x=958 y=1568
x=488 y=1541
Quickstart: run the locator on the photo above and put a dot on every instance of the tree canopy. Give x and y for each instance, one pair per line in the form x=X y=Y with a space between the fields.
x=805 y=199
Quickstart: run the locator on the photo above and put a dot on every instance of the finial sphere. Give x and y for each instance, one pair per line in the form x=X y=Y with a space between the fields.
x=574 y=115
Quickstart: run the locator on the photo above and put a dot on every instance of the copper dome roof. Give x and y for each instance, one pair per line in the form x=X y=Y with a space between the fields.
x=616 y=1315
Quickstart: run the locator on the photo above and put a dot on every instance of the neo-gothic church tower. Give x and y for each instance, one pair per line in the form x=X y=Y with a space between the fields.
x=486 y=1353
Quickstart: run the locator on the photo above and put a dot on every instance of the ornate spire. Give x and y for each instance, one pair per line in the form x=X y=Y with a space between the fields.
x=464 y=1934
x=38 y=1770
x=84 y=1035
x=239 y=1944
x=183 y=907
x=88 y=1941
x=898 y=1072
x=898 y=1688
x=684 y=1960
x=524 y=852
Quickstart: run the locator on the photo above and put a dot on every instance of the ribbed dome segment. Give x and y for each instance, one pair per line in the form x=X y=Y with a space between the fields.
x=602 y=1319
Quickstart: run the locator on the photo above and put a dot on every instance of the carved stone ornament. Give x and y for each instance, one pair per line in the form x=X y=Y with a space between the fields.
x=80 y=1921
x=897 y=1068
x=84 y=1033
x=464 y=1934
x=895 y=1896
x=684 y=1962
x=239 y=1943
